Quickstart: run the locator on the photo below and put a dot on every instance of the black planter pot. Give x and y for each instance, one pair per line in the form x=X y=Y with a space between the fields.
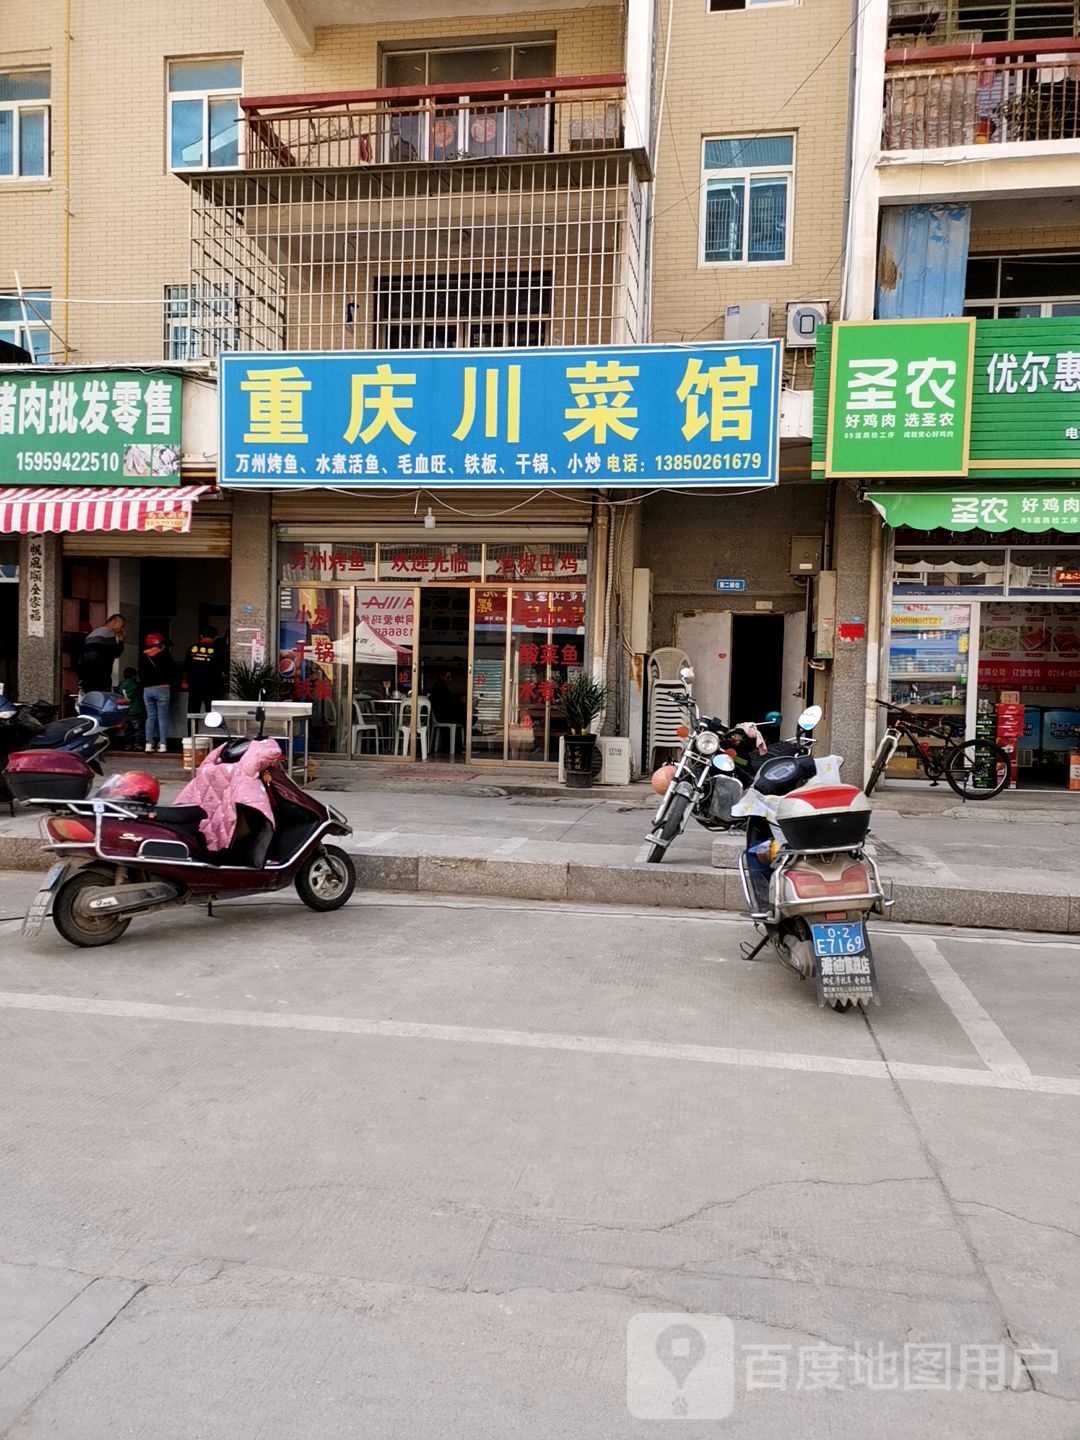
x=578 y=760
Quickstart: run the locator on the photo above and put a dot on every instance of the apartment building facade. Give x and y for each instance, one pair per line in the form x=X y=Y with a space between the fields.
x=965 y=148
x=304 y=176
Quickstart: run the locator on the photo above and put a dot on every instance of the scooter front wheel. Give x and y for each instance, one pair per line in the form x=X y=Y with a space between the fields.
x=327 y=880
x=73 y=918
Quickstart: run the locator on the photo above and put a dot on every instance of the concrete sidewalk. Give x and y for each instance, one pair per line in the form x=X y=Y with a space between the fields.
x=1010 y=863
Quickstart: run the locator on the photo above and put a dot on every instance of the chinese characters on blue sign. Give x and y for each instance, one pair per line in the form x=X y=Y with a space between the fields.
x=628 y=416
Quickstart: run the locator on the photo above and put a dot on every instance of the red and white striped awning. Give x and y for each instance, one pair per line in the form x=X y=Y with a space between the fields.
x=33 y=511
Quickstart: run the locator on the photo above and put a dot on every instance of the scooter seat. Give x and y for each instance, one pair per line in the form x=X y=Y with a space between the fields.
x=181 y=815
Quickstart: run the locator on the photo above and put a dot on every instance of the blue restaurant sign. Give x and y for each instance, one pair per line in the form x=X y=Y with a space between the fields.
x=630 y=416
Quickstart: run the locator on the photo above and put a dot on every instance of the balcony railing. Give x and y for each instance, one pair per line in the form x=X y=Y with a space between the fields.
x=955 y=95
x=439 y=124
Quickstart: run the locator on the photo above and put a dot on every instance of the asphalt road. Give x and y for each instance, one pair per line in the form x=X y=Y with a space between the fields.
x=481 y=1169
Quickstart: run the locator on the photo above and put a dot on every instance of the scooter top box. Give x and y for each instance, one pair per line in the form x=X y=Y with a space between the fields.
x=47 y=775
x=824 y=817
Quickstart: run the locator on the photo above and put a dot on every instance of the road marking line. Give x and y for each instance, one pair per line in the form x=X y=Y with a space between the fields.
x=533 y=1040
x=380 y=838
x=985 y=1034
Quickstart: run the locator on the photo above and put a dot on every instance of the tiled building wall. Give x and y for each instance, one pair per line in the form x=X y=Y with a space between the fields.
x=126 y=232
x=739 y=73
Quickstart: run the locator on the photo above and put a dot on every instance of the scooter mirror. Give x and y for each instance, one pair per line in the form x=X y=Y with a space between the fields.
x=724 y=764
x=810 y=717
x=213 y=721
x=686 y=674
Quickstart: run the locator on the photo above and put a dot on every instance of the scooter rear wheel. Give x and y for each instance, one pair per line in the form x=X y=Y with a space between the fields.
x=76 y=924
x=327 y=880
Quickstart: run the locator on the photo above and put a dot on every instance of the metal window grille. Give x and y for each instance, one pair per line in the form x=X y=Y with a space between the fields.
x=522 y=251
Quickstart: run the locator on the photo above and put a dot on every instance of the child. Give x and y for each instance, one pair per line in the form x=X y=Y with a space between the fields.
x=129 y=686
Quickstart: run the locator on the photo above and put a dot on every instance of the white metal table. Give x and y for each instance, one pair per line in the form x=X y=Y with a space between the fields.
x=278 y=712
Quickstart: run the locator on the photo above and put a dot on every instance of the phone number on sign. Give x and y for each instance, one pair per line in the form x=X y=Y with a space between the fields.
x=728 y=460
x=79 y=461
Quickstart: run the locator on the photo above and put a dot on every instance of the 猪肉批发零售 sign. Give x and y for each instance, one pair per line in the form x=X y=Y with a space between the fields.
x=95 y=427
x=900 y=398
x=681 y=415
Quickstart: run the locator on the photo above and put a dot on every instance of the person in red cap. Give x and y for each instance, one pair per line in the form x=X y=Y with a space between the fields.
x=157 y=675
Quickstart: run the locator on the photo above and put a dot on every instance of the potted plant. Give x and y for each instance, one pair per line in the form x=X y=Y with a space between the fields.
x=255 y=682
x=581 y=701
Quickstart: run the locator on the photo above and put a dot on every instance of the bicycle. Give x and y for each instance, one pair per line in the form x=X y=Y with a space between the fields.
x=975 y=769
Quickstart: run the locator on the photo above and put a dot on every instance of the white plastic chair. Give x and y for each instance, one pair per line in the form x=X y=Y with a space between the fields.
x=422 y=729
x=366 y=724
x=452 y=726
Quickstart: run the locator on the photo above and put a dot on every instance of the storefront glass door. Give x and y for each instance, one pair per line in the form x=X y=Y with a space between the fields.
x=526 y=644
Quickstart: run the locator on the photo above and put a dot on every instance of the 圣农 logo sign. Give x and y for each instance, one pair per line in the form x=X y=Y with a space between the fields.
x=900 y=398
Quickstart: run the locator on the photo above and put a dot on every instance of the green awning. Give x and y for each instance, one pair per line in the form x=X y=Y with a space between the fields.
x=993 y=510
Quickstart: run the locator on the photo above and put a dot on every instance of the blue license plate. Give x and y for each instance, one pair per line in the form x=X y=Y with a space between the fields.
x=839 y=939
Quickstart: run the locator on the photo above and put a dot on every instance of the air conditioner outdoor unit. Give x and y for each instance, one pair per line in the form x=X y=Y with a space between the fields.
x=611 y=760
x=803 y=319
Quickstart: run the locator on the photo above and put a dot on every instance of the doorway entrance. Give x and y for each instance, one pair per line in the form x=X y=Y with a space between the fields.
x=757 y=665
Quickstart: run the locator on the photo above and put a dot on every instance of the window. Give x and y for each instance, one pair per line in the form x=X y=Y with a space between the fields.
x=716 y=6
x=747 y=199
x=24 y=124
x=993 y=20
x=198 y=323
x=204 y=113
x=1023 y=287
x=486 y=310
x=416 y=69
x=24 y=321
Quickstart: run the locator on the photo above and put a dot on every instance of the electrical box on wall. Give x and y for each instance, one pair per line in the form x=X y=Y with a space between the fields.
x=805 y=554
x=641 y=612
x=825 y=615
x=803 y=319
x=749 y=320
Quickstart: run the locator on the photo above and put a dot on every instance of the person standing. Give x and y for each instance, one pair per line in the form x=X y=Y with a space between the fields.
x=129 y=687
x=101 y=649
x=157 y=675
x=202 y=673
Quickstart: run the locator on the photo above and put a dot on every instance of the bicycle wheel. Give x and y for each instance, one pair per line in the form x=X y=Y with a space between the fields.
x=881 y=759
x=977 y=771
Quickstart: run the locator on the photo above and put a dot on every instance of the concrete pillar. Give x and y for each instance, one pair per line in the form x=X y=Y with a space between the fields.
x=39 y=655
x=854 y=522
x=625 y=672
x=251 y=600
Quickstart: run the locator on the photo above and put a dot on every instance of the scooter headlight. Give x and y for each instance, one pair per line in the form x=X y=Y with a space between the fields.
x=707 y=742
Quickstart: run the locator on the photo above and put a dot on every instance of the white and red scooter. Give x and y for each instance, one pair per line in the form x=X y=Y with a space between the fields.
x=809 y=883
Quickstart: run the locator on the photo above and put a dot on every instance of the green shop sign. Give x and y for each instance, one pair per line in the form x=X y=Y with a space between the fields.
x=91 y=427
x=1023 y=420
x=900 y=398
x=980 y=510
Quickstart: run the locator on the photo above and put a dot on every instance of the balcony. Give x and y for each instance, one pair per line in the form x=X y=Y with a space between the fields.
x=496 y=120
x=1012 y=94
x=508 y=216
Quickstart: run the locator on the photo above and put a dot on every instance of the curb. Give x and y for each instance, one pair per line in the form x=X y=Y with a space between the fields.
x=675 y=887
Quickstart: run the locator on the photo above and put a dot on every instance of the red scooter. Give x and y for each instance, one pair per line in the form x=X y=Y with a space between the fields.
x=122 y=854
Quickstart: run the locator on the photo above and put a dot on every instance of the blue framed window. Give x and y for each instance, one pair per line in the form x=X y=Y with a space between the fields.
x=24 y=124
x=747 y=185
x=204 y=113
x=24 y=321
